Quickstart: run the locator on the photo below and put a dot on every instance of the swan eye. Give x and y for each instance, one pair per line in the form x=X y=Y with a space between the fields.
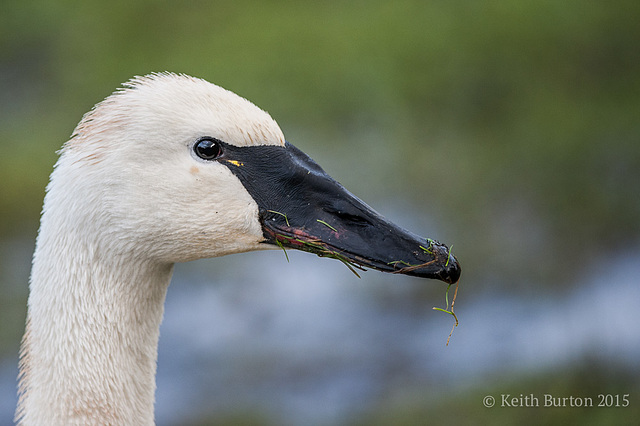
x=208 y=148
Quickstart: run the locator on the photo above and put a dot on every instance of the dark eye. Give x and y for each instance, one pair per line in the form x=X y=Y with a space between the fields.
x=208 y=148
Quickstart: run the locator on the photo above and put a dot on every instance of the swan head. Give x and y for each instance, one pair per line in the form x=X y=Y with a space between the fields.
x=173 y=168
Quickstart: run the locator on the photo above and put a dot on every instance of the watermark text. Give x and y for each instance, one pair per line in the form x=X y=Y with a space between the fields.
x=548 y=400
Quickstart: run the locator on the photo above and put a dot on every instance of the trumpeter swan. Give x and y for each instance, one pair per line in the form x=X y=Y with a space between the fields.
x=170 y=169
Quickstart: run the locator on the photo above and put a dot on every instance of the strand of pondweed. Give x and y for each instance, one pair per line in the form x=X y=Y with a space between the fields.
x=450 y=312
x=396 y=262
x=324 y=251
x=327 y=225
x=286 y=219
x=283 y=249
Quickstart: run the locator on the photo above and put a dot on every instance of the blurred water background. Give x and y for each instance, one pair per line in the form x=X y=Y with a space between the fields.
x=508 y=129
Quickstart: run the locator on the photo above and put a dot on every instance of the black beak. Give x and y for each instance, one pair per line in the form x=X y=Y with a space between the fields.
x=302 y=207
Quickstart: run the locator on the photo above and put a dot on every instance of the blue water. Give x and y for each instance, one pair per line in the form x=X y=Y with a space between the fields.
x=312 y=344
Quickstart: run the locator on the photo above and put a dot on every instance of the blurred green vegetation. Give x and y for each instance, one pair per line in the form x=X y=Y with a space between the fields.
x=514 y=124
x=466 y=407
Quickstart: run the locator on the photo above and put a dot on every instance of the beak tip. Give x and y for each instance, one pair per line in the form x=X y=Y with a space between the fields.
x=447 y=269
x=451 y=272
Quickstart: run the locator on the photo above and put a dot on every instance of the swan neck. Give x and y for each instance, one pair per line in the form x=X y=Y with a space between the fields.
x=90 y=347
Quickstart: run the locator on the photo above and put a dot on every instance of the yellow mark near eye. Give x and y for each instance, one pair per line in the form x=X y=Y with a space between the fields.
x=235 y=163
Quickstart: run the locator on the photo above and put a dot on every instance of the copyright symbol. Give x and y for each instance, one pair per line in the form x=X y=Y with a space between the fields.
x=488 y=401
